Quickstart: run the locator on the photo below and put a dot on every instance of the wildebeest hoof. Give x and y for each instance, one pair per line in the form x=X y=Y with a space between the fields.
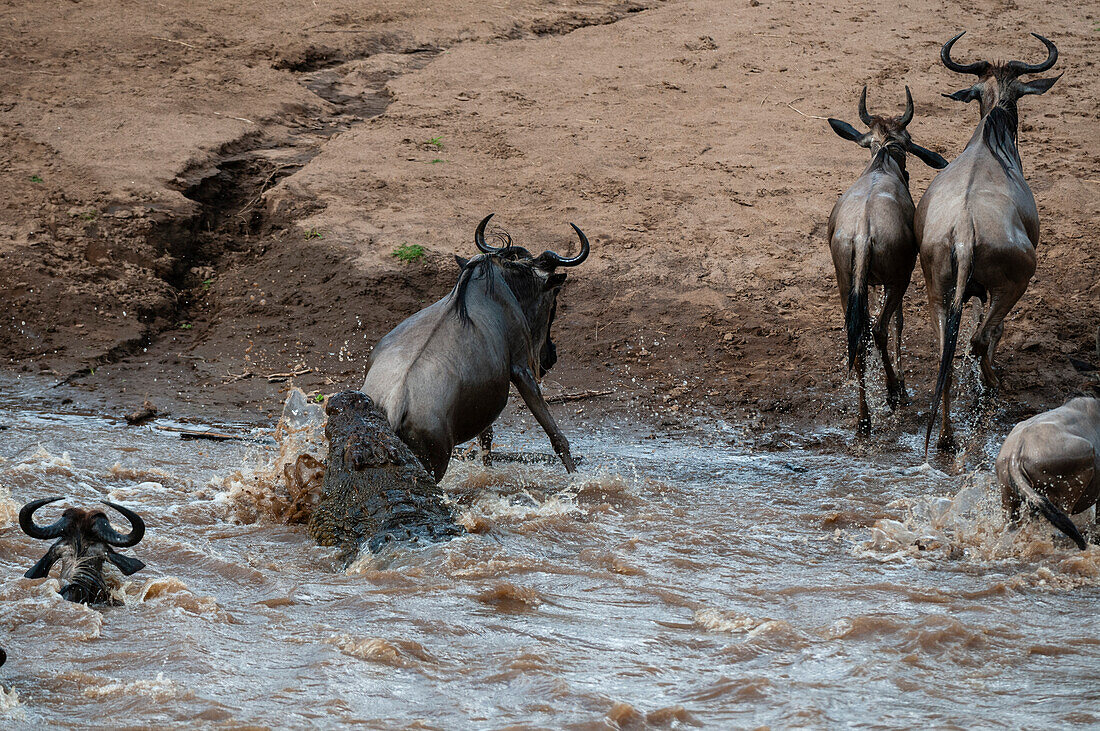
x=946 y=443
x=863 y=428
x=3 y=656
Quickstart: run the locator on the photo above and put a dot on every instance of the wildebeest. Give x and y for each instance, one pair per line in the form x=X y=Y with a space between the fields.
x=1052 y=463
x=85 y=539
x=977 y=224
x=872 y=242
x=442 y=375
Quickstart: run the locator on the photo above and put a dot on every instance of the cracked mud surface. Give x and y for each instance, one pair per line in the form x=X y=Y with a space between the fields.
x=201 y=195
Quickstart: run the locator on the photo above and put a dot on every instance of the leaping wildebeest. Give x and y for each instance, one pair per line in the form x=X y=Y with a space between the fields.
x=872 y=242
x=442 y=375
x=977 y=224
x=1052 y=463
x=85 y=540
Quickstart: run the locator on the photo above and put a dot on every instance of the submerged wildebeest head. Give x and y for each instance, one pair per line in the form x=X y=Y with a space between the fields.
x=442 y=376
x=85 y=539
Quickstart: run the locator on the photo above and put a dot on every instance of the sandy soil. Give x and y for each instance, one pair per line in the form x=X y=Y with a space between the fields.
x=198 y=195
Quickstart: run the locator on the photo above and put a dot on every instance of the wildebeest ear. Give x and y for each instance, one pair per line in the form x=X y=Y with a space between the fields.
x=965 y=95
x=461 y=262
x=42 y=569
x=126 y=564
x=1038 y=86
x=929 y=158
x=846 y=131
x=553 y=282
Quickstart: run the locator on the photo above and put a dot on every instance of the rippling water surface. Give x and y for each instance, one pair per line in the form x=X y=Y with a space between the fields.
x=694 y=582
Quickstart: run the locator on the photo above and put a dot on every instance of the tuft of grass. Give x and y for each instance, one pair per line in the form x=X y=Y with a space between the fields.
x=436 y=161
x=36 y=179
x=89 y=215
x=436 y=142
x=314 y=234
x=186 y=326
x=408 y=252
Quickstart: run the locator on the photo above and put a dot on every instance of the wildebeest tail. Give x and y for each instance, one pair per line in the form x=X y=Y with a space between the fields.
x=1022 y=485
x=856 y=317
x=962 y=259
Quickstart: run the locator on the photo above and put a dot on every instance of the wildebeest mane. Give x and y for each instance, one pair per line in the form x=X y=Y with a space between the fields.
x=999 y=134
x=471 y=268
x=514 y=260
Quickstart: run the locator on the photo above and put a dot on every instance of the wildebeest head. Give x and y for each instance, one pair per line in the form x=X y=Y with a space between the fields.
x=999 y=83
x=888 y=133
x=85 y=539
x=534 y=281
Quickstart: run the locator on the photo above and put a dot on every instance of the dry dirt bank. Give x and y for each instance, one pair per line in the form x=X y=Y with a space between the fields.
x=192 y=196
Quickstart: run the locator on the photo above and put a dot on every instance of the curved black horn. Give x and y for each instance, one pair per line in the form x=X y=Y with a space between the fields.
x=1033 y=68
x=42 y=532
x=978 y=67
x=479 y=238
x=863 y=115
x=103 y=529
x=907 y=117
x=578 y=259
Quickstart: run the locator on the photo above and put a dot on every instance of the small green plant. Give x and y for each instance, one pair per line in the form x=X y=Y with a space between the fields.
x=314 y=234
x=36 y=179
x=408 y=252
x=89 y=215
x=436 y=161
x=186 y=326
x=206 y=283
x=319 y=398
x=436 y=142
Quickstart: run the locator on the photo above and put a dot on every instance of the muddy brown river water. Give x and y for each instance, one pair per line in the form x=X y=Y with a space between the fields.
x=671 y=583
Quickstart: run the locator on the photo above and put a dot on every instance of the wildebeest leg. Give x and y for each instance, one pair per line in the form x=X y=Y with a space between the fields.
x=881 y=334
x=485 y=445
x=938 y=310
x=528 y=388
x=863 y=426
x=988 y=335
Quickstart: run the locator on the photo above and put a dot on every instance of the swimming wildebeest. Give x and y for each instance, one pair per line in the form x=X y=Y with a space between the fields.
x=442 y=375
x=85 y=539
x=872 y=242
x=1052 y=463
x=977 y=224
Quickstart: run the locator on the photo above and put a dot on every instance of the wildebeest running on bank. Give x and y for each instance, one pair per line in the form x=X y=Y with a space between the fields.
x=1052 y=463
x=977 y=224
x=872 y=242
x=85 y=541
x=442 y=375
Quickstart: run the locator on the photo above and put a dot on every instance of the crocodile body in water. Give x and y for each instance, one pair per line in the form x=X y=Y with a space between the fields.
x=375 y=490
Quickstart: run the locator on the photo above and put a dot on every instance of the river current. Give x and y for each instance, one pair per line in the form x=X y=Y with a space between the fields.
x=708 y=580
